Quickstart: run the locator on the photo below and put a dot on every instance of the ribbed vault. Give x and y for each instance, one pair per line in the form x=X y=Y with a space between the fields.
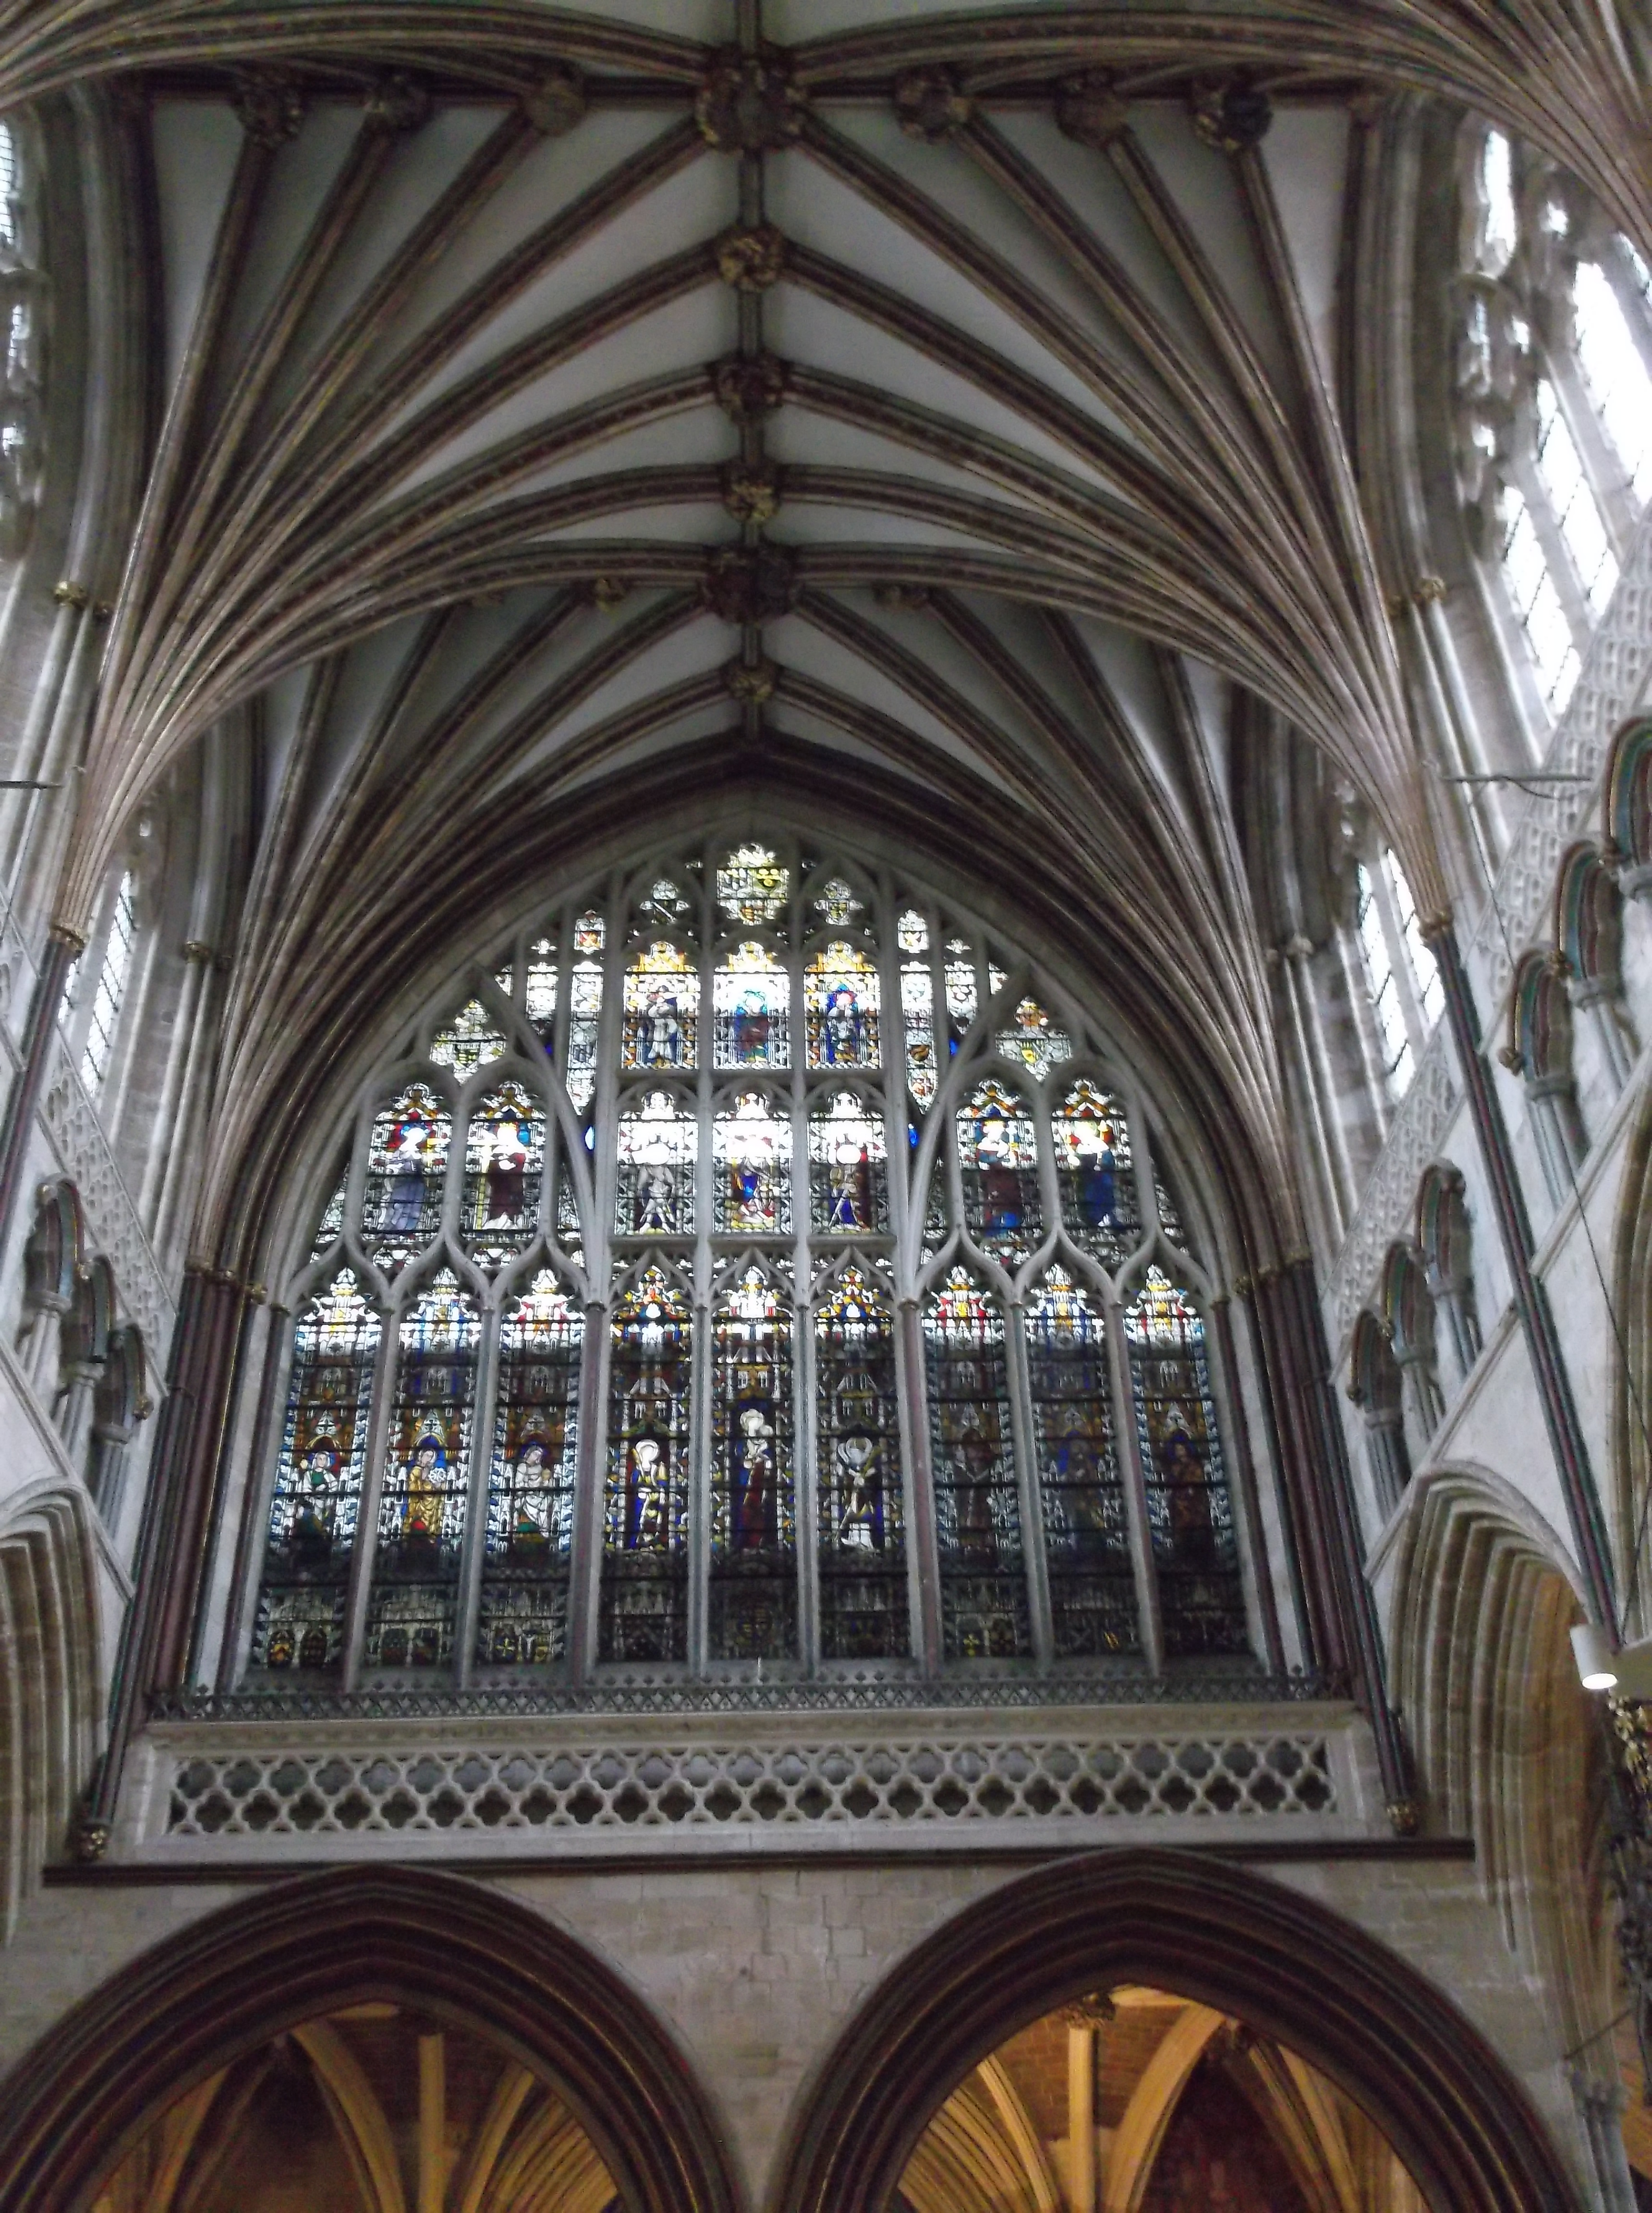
x=946 y=406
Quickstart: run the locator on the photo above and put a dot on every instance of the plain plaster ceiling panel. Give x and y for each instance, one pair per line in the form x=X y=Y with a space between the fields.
x=1212 y=697
x=687 y=332
x=1095 y=192
x=1130 y=673
x=692 y=522
x=683 y=730
x=283 y=704
x=799 y=721
x=798 y=435
x=818 y=210
x=553 y=173
x=688 y=210
x=802 y=326
x=797 y=644
x=948 y=176
x=695 y=436
x=303 y=171
x=806 y=523
x=368 y=673
x=1201 y=182
x=197 y=144
x=1307 y=157
x=789 y=21
x=710 y=21
x=695 y=648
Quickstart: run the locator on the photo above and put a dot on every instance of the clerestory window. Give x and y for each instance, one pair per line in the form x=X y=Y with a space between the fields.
x=755 y=1265
x=1406 y=993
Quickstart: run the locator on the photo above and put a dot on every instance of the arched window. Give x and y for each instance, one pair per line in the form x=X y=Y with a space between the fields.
x=1406 y=994
x=114 y=975
x=645 y=1256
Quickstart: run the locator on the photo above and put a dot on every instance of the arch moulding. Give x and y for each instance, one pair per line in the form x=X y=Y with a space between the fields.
x=447 y=1948
x=1223 y=1937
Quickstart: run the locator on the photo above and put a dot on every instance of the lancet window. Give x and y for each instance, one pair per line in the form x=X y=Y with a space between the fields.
x=674 y=1311
x=1554 y=399
x=1406 y=993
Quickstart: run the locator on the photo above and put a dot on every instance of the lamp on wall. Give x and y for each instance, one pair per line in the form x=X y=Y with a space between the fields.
x=1626 y=1669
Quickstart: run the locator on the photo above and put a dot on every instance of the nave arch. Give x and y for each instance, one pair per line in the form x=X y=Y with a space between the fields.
x=450 y=1953
x=1232 y=1941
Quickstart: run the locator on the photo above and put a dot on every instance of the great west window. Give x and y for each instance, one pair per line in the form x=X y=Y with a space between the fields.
x=756 y=1266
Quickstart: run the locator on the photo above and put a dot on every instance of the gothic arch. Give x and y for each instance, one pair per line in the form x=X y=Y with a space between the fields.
x=452 y=1950
x=1228 y=1939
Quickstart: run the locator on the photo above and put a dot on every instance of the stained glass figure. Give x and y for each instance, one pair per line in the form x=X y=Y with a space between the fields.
x=504 y=1165
x=753 y=1593
x=1081 y=1495
x=505 y=978
x=849 y=1175
x=962 y=990
x=318 y=1485
x=1189 y=1512
x=659 y=1138
x=912 y=932
x=523 y=1620
x=836 y=904
x=861 y=1537
x=998 y=1152
x=996 y=979
x=330 y=1227
x=423 y=1497
x=1093 y=1169
x=471 y=1038
x=584 y=1020
x=590 y=934
x=1170 y=1219
x=644 y=1612
x=665 y=907
x=752 y=1002
x=540 y=999
x=918 y=1020
x=1033 y=1039
x=984 y=1608
x=840 y=1003
x=751 y=1147
x=661 y=1008
x=752 y=885
x=407 y=1169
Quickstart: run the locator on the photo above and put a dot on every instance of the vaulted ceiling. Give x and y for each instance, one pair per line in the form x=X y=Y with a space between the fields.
x=935 y=413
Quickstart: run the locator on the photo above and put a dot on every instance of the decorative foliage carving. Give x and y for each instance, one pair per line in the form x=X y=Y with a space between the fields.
x=750 y=388
x=748 y=103
x=751 y=257
x=931 y=107
x=749 y=585
x=556 y=103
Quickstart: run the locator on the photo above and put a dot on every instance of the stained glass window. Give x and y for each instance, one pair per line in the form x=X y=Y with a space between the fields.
x=542 y=982
x=426 y=1484
x=998 y=1152
x=840 y=1001
x=752 y=885
x=504 y=1165
x=330 y=1227
x=523 y=1620
x=918 y=1008
x=848 y=1170
x=661 y=1008
x=751 y=1145
x=861 y=1536
x=665 y=907
x=1080 y=1495
x=1190 y=1513
x=471 y=1038
x=584 y=1026
x=1093 y=1166
x=659 y=1137
x=751 y=1005
x=318 y=1485
x=961 y=999
x=1033 y=1039
x=984 y=1610
x=111 y=983
x=753 y=1573
x=407 y=1171
x=645 y=1603
x=836 y=904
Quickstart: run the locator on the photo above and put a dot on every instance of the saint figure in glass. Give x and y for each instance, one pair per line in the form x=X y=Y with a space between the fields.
x=753 y=1593
x=862 y=1537
x=643 y=1608
x=997 y=1153
x=840 y=1001
x=523 y=1621
x=848 y=1171
x=1086 y=1538
x=752 y=1147
x=1096 y=1174
x=984 y=1606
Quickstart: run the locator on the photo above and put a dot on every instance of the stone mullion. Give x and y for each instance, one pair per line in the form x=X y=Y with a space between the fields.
x=255 y=1520
x=923 y=1557
x=585 y=1546
x=1132 y=1476
x=1034 y=1566
x=385 y=1378
x=805 y=1456
x=473 y=1542
x=1228 y=1388
x=704 y=1264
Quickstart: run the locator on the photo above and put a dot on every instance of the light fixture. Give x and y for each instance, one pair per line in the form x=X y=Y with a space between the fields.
x=1597 y=1664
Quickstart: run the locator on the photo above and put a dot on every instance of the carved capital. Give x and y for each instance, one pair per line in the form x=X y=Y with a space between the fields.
x=931 y=106
x=748 y=103
x=747 y=390
x=1403 y=1816
x=68 y=594
x=751 y=257
x=90 y=1840
x=1090 y=111
x=1092 y=2012
x=606 y=592
x=1430 y=590
x=1230 y=113
x=751 y=494
x=752 y=685
x=751 y=584
x=556 y=101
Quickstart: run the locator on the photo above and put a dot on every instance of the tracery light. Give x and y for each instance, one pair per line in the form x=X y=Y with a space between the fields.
x=111 y=983
x=1500 y=226
x=918 y=1008
x=1537 y=605
x=984 y=1604
x=1385 y=985
x=864 y=1612
x=643 y=1611
x=523 y=1615
x=719 y=1403
x=752 y=1582
x=9 y=183
x=848 y=1171
x=1576 y=511
x=1086 y=1534
x=318 y=1485
x=1190 y=1511
x=1614 y=372
x=426 y=1482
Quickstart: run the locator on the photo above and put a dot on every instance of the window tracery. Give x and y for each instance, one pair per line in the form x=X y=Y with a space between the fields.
x=744 y=1435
